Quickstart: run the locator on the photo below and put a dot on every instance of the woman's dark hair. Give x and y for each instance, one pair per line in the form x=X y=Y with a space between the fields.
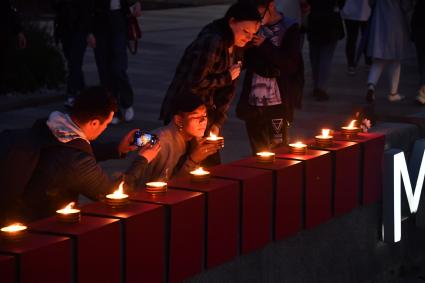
x=243 y=11
x=94 y=102
x=187 y=103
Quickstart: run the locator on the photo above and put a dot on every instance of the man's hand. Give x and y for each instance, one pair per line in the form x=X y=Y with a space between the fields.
x=202 y=150
x=150 y=152
x=257 y=40
x=137 y=9
x=91 y=40
x=22 y=40
x=235 y=70
x=126 y=143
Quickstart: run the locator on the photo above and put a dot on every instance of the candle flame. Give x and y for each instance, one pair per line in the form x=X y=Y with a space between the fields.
x=156 y=184
x=14 y=228
x=298 y=144
x=213 y=136
x=68 y=209
x=265 y=153
x=120 y=190
x=352 y=124
x=325 y=132
x=199 y=171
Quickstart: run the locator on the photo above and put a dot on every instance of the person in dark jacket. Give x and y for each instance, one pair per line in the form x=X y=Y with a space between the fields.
x=71 y=31
x=210 y=64
x=274 y=80
x=418 y=36
x=108 y=35
x=11 y=32
x=325 y=28
x=68 y=163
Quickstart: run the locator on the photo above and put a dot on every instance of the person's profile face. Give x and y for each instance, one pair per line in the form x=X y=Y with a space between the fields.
x=243 y=31
x=195 y=122
x=99 y=127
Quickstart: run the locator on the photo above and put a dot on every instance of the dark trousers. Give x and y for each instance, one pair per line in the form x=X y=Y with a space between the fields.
x=420 y=52
x=321 y=56
x=353 y=28
x=74 y=46
x=267 y=130
x=111 y=57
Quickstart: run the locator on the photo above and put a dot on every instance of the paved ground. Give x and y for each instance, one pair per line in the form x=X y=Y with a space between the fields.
x=168 y=32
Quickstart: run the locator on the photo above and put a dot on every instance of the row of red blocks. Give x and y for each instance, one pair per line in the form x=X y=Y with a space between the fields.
x=170 y=237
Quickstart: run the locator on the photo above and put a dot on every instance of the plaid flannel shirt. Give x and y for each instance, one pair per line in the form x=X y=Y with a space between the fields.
x=204 y=71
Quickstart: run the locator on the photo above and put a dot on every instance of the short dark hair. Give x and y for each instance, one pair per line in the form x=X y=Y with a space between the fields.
x=243 y=11
x=187 y=103
x=94 y=102
x=259 y=3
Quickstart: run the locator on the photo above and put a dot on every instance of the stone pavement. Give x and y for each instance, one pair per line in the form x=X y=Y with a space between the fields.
x=168 y=32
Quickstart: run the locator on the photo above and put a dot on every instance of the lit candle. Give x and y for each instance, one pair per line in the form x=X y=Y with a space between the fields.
x=156 y=187
x=298 y=148
x=351 y=130
x=13 y=232
x=118 y=198
x=68 y=214
x=265 y=157
x=200 y=175
x=325 y=139
x=215 y=139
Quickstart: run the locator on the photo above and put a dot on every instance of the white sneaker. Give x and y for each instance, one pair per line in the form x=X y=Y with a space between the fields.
x=69 y=102
x=128 y=114
x=421 y=97
x=351 y=71
x=115 y=121
x=395 y=97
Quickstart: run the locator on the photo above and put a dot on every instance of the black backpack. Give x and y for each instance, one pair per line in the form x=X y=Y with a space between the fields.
x=19 y=155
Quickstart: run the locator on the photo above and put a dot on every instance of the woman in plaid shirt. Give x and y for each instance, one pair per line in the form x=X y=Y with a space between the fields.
x=210 y=64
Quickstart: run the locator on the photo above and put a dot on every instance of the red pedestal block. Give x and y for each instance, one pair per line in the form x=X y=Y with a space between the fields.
x=255 y=204
x=8 y=269
x=346 y=175
x=185 y=225
x=97 y=246
x=372 y=154
x=142 y=238
x=317 y=193
x=288 y=180
x=222 y=217
x=40 y=259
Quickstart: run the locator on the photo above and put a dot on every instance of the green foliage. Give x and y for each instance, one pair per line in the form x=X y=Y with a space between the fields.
x=39 y=65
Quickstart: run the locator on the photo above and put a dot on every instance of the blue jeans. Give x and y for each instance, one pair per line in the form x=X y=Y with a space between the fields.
x=111 y=57
x=74 y=46
x=321 y=56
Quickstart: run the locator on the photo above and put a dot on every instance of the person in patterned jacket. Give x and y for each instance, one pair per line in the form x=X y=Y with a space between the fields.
x=211 y=64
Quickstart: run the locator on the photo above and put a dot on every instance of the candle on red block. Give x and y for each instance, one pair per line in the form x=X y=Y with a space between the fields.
x=298 y=148
x=215 y=139
x=351 y=130
x=325 y=139
x=156 y=187
x=117 y=198
x=200 y=175
x=68 y=214
x=265 y=157
x=13 y=232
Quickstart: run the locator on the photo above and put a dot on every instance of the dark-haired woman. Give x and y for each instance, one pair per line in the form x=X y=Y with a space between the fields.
x=210 y=64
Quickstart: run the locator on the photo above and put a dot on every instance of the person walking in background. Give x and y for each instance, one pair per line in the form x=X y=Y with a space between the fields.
x=356 y=14
x=325 y=28
x=418 y=36
x=274 y=80
x=71 y=32
x=387 y=44
x=108 y=37
x=210 y=65
x=10 y=30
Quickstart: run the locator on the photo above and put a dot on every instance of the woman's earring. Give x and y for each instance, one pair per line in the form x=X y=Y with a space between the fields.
x=180 y=128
